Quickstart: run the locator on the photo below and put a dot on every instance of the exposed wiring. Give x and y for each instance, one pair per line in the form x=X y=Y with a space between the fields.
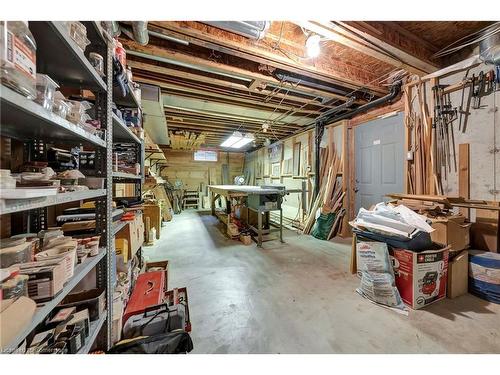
x=468 y=40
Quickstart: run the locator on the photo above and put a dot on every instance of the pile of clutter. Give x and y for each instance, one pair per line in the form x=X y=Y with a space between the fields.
x=420 y=258
x=37 y=265
x=396 y=259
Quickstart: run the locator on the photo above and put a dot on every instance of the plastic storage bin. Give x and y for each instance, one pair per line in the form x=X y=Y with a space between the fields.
x=45 y=91
x=97 y=61
x=77 y=111
x=78 y=32
x=61 y=105
x=18 y=57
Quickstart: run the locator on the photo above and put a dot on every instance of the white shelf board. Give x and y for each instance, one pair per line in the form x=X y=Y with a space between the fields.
x=10 y=206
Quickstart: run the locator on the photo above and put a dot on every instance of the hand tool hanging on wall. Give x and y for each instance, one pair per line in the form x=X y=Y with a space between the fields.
x=444 y=115
x=478 y=90
x=464 y=111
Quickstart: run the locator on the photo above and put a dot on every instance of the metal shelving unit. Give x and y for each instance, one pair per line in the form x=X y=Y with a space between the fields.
x=81 y=270
x=18 y=111
x=94 y=330
x=126 y=176
x=22 y=119
x=122 y=133
x=119 y=226
x=12 y=206
x=60 y=57
x=129 y=101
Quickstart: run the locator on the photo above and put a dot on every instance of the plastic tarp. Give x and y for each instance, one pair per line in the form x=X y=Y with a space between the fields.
x=396 y=221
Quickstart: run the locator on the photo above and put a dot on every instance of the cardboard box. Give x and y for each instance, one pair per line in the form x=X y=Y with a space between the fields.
x=421 y=277
x=46 y=278
x=485 y=231
x=134 y=234
x=458 y=269
x=453 y=231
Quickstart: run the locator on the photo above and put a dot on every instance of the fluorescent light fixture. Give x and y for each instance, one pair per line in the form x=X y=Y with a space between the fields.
x=237 y=140
x=244 y=141
x=312 y=45
x=232 y=139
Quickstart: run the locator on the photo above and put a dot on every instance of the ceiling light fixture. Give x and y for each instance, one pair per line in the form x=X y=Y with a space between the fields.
x=312 y=45
x=238 y=140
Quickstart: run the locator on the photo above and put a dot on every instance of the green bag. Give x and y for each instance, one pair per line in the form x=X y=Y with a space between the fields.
x=323 y=225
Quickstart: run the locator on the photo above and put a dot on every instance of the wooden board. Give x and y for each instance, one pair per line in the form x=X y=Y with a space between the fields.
x=464 y=174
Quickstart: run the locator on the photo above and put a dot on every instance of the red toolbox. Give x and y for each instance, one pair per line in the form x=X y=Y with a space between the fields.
x=149 y=291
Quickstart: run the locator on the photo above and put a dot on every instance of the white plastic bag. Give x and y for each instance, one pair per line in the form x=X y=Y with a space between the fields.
x=377 y=275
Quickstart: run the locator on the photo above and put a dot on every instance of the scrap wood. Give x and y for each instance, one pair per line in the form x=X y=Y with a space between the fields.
x=449 y=202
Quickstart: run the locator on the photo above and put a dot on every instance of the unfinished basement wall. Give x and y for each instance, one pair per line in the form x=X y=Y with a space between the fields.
x=294 y=170
x=196 y=175
x=482 y=134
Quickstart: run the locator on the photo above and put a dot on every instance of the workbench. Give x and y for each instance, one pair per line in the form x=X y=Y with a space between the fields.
x=261 y=200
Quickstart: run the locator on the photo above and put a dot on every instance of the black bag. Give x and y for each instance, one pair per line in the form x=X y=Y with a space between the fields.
x=155 y=320
x=164 y=343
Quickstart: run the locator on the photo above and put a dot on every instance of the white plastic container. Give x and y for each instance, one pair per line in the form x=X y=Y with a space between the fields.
x=18 y=57
x=75 y=114
x=61 y=105
x=45 y=90
x=6 y=180
x=78 y=32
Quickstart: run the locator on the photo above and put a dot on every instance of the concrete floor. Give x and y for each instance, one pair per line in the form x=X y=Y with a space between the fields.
x=299 y=297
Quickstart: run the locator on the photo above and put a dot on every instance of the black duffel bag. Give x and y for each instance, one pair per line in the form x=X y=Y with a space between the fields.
x=164 y=343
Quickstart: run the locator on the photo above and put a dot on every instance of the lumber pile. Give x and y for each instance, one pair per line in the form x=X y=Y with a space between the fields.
x=184 y=140
x=422 y=172
x=330 y=197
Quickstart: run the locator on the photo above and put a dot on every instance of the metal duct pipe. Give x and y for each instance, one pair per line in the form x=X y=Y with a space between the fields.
x=323 y=120
x=288 y=77
x=250 y=29
x=489 y=50
x=395 y=90
x=138 y=33
x=140 y=29
x=166 y=37
x=115 y=27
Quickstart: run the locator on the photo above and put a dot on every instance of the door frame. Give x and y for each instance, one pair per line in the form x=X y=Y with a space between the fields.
x=351 y=159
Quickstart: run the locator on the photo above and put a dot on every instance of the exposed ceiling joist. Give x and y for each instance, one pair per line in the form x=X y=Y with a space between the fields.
x=399 y=58
x=189 y=118
x=231 y=44
x=212 y=95
x=246 y=76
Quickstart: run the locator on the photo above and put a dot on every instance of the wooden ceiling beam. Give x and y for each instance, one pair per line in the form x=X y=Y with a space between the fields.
x=153 y=52
x=208 y=127
x=233 y=117
x=143 y=69
x=225 y=121
x=336 y=34
x=414 y=60
x=256 y=104
x=225 y=42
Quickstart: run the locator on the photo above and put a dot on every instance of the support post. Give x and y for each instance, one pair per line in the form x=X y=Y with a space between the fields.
x=319 y=130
